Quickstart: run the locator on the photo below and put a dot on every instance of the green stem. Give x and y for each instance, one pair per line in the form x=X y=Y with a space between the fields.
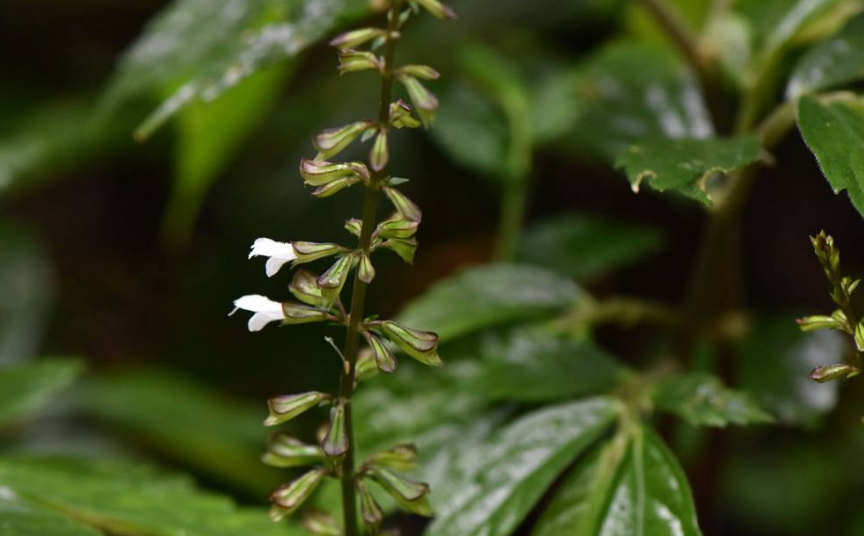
x=517 y=186
x=682 y=36
x=358 y=297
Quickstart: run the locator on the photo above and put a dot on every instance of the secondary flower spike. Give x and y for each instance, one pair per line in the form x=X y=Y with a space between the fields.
x=265 y=309
x=278 y=252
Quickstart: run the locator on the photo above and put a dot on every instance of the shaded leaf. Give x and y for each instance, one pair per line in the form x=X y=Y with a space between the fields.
x=516 y=467
x=686 y=165
x=18 y=518
x=703 y=400
x=835 y=133
x=27 y=388
x=499 y=294
x=584 y=246
x=833 y=63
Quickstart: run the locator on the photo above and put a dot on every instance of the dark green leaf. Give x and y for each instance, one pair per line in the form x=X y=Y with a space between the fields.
x=833 y=63
x=780 y=22
x=498 y=294
x=686 y=165
x=18 y=518
x=703 y=400
x=835 y=133
x=27 y=388
x=643 y=492
x=514 y=469
x=583 y=246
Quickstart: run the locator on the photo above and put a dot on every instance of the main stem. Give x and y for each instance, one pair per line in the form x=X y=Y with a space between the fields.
x=358 y=296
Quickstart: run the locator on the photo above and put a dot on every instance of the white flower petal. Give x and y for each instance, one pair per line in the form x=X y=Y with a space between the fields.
x=270 y=248
x=258 y=304
x=274 y=264
x=259 y=320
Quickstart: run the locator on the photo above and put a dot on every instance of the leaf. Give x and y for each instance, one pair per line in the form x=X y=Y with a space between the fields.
x=186 y=422
x=836 y=62
x=642 y=492
x=686 y=165
x=27 y=388
x=703 y=400
x=775 y=363
x=780 y=22
x=835 y=133
x=584 y=246
x=517 y=465
x=18 y=518
x=499 y=294
x=630 y=91
x=534 y=366
x=131 y=500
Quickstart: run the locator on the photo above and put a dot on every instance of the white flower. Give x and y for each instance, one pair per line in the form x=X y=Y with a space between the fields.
x=279 y=253
x=265 y=309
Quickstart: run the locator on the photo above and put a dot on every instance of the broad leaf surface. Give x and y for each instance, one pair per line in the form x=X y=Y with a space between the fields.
x=835 y=133
x=703 y=400
x=26 y=388
x=685 y=165
x=627 y=488
x=512 y=471
x=583 y=246
x=19 y=518
x=833 y=63
x=131 y=500
x=779 y=22
x=487 y=296
x=631 y=91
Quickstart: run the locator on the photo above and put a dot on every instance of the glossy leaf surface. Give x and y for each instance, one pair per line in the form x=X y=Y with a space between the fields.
x=703 y=400
x=27 y=388
x=833 y=63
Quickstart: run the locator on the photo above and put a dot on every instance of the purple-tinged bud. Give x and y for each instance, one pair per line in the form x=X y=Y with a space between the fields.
x=354 y=226
x=411 y=495
x=366 y=365
x=399 y=458
x=286 y=407
x=355 y=38
x=336 y=275
x=351 y=61
x=405 y=206
x=421 y=345
x=312 y=251
x=285 y=451
x=366 y=272
x=295 y=313
x=333 y=141
x=437 y=8
x=420 y=71
x=384 y=358
x=425 y=102
x=305 y=288
x=380 y=154
x=289 y=497
x=827 y=373
x=321 y=523
x=400 y=115
x=370 y=511
x=321 y=172
x=336 y=441
x=334 y=187
x=396 y=226
x=404 y=247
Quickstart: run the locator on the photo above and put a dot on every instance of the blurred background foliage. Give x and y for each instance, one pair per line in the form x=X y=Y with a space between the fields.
x=127 y=255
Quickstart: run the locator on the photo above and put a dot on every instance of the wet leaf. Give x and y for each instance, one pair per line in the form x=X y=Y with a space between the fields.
x=500 y=294
x=517 y=466
x=686 y=165
x=584 y=246
x=834 y=63
x=835 y=133
x=27 y=388
x=703 y=400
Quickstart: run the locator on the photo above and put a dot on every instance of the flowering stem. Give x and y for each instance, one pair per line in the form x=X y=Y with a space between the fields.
x=358 y=297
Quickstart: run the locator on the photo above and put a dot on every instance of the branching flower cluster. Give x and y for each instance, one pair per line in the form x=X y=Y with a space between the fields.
x=319 y=296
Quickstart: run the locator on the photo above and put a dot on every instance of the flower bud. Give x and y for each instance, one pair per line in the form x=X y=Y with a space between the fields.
x=286 y=407
x=320 y=172
x=370 y=511
x=333 y=141
x=380 y=154
x=437 y=9
x=356 y=38
x=351 y=61
x=321 y=523
x=400 y=115
x=420 y=71
x=425 y=102
x=336 y=275
x=827 y=373
x=289 y=497
x=312 y=251
x=410 y=495
x=305 y=288
x=421 y=345
x=285 y=451
x=817 y=322
x=396 y=227
x=366 y=271
x=399 y=458
x=354 y=226
x=384 y=358
x=296 y=313
x=859 y=337
x=336 y=441
x=366 y=366
x=405 y=206
x=404 y=247
x=334 y=187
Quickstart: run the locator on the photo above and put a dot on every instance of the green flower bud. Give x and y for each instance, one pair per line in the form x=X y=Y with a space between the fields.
x=312 y=251
x=321 y=523
x=356 y=38
x=370 y=511
x=817 y=322
x=420 y=71
x=384 y=358
x=827 y=373
x=400 y=115
x=399 y=458
x=366 y=366
x=366 y=271
x=336 y=441
x=286 y=407
x=320 y=172
x=380 y=154
x=405 y=206
x=333 y=141
x=305 y=288
x=425 y=102
x=334 y=187
x=396 y=227
x=437 y=9
x=404 y=247
x=289 y=497
x=421 y=345
x=410 y=495
x=859 y=337
x=351 y=61
x=296 y=313
x=285 y=451
x=336 y=275
x=354 y=226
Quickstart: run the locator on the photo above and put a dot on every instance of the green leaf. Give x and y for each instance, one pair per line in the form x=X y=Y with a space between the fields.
x=834 y=131
x=517 y=465
x=18 y=518
x=631 y=91
x=131 y=500
x=499 y=294
x=781 y=22
x=186 y=422
x=535 y=366
x=584 y=246
x=27 y=388
x=686 y=165
x=703 y=400
x=836 y=62
x=642 y=492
